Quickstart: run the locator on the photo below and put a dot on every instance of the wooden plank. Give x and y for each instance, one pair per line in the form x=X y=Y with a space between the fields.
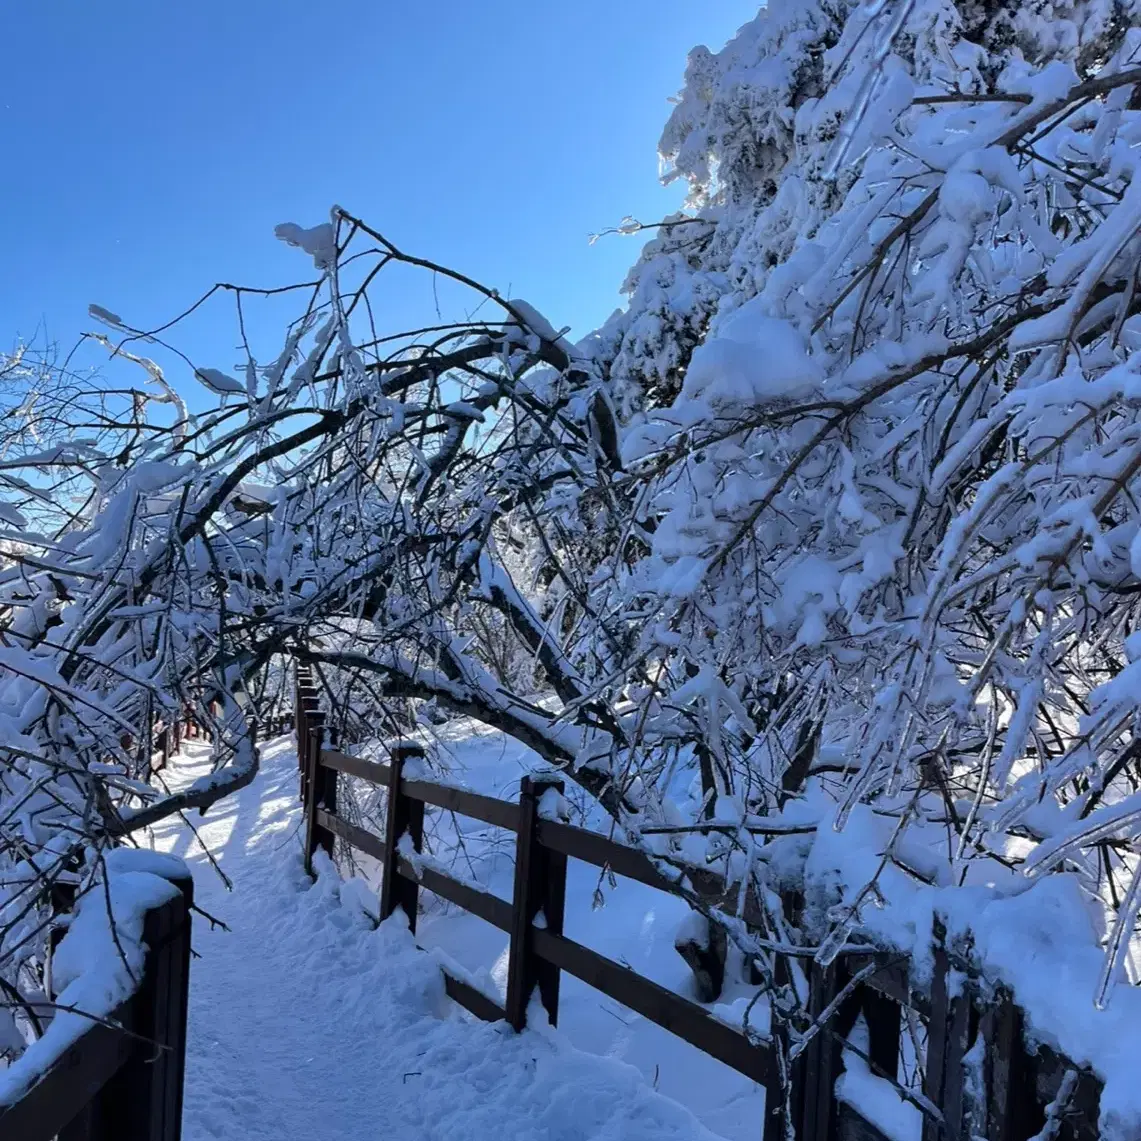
x=315 y=728
x=322 y=793
x=822 y=1057
x=954 y=1104
x=884 y=1019
x=1080 y=1121
x=297 y=720
x=678 y=1015
x=370 y=771
x=936 y=1041
x=152 y=1081
x=773 y=1126
x=67 y=1088
x=122 y=1083
x=784 y=1088
x=358 y=837
x=947 y=1033
x=622 y=860
x=891 y=981
x=483 y=904
x=501 y=813
x=178 y=1011
x=851 y=1125
x=472 y=1000
x=143 y=1101
x=593 y=848
x=301 y=724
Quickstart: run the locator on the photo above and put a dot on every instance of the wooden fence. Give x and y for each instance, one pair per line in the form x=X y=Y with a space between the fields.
x=122 y=1079
x=980 y=1078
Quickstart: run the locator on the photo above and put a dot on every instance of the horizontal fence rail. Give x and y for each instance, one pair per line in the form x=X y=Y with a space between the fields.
x=998 y=1091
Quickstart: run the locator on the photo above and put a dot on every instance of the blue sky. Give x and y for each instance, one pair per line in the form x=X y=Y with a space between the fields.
x=153 y=145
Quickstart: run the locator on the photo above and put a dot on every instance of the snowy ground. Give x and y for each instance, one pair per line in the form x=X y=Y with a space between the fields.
x=306 y=1022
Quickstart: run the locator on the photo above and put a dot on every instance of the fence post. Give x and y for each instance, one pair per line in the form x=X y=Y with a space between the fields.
x=1014 y=1112
x=314 y=717
x=308 y=708
x=322 y=793
x=773 y=1128
x=298 y=719
x=540 y=886
x=822 y=1056
x=404 y=816
x=301 y=735
x=163 y=748
x=144 y=742
x=784 y=1082
x=143 y=1101
x=884 y=1017
x=947 y=1034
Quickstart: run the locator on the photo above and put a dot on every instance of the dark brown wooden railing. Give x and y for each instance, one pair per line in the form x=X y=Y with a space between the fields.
x=122 y=1079
x=1004 y=1098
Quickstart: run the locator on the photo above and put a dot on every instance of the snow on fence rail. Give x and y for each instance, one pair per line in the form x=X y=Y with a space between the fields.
x=980 y=1078
x=121 y=1079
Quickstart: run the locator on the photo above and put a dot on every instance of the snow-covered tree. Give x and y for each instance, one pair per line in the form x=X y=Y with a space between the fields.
x=893 y=500
x=825 y=547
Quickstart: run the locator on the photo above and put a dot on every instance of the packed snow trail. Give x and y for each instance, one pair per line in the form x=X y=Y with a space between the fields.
x=306 y=1022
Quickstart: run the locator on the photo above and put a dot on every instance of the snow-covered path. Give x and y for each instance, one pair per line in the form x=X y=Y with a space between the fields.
x=307 y=1023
